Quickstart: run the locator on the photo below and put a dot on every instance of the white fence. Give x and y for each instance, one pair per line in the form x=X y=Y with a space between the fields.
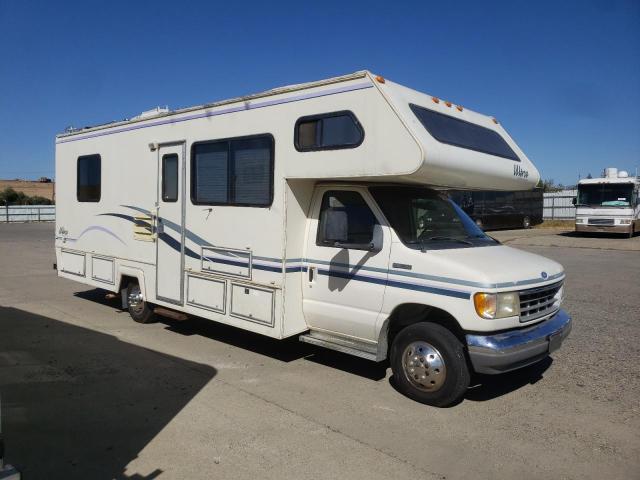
x=559 y=205
x=27 y=213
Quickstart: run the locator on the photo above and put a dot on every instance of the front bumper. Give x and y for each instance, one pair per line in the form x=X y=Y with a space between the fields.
x=604 y=228
x=514 y=349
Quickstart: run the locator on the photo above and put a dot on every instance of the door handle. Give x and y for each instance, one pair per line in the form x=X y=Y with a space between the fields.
x=312 y=274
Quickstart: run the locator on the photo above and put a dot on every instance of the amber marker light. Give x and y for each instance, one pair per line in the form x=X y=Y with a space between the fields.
x=486 y=304
x=459 y=108
x=448 y=104
x=435 y=99
x=380 y=79
x=495 y=121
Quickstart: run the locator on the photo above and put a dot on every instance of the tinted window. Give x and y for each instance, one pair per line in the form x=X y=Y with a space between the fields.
x=89 y=178
x=460 y=133
x=170 y=177
x=345 y=218
x=233 y=172
x=328 y=131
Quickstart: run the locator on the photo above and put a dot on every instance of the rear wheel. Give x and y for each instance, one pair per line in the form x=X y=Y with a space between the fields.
x=526 y=222
x=429 y=365
x=138 y=308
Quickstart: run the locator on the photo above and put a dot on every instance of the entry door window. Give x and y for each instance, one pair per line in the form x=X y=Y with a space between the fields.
x=170 y=177
x=345 y=218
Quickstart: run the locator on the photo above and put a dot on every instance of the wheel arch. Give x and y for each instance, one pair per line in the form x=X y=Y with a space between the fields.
x=127 y=275
x=407 y=314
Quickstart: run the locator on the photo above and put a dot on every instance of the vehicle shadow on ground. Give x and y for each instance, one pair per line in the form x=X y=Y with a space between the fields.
x=286 y=350
x=488 y=387
x=484 y=387
x=77 y=403
x=574 y=234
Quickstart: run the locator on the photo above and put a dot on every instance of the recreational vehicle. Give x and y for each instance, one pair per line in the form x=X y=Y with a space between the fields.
x=610 y=204
x=316 y=211
x=493 y=210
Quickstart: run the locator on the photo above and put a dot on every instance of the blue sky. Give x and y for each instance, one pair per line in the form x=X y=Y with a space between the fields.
x=562 y=77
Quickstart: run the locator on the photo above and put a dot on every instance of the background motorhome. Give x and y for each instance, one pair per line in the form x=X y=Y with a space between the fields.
x=610 y=204
x=497 y=209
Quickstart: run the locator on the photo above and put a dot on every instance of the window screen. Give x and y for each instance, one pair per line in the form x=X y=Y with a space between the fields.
x=328 y=131
x=170 y=177
x=461 y=133
x=89 y=178
x=342 y=207
x=233 y=172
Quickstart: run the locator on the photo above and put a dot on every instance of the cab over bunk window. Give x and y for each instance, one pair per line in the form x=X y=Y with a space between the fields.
x=460 y=133
x=237 y=171
x=329 y=131
x=89 y=178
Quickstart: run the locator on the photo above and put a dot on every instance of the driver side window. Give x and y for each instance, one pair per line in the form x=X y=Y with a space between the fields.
x=344 y=218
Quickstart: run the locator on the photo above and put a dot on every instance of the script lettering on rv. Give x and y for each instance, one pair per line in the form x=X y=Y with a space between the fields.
x=518 y=171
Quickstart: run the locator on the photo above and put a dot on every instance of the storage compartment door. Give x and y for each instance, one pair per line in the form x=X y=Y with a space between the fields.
x=72 y=262
x=253 y=304
x=206 y=293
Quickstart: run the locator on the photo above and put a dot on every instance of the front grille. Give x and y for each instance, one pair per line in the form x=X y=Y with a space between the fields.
x=600 y=221
x=538 y=302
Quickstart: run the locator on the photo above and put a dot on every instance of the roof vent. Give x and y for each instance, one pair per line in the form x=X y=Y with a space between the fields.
x=610 y=172
x=623 y=174
x=154 y=112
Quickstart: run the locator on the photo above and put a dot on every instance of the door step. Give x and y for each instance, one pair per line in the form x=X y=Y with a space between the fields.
x=341 y=344
x=165 y=312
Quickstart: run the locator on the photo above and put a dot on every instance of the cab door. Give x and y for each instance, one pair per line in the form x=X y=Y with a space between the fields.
x=347 y=257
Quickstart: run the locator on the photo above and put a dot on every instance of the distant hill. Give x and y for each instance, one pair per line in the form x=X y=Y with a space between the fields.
x=30 y=187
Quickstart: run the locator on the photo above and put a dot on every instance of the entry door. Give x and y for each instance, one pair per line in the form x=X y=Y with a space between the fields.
x=170 y=224
x=344 y=285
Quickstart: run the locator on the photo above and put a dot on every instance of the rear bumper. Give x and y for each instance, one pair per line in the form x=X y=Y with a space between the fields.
x=514 y=349
x=604 y=228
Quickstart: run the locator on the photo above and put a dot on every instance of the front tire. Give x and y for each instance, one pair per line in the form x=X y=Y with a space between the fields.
x=429 y=365
x=526 y=222
x=139 y=309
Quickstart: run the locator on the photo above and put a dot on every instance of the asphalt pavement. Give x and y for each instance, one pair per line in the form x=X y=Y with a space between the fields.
x=88 y=393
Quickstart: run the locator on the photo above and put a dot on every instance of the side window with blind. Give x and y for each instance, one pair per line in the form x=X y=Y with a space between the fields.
x=89 y=181
x=328 y=131
x=236 y=171
x=170 y=177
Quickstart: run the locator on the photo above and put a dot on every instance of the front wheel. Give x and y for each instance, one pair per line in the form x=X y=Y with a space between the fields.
x=526 y=222
x=429 y=365
x=139 y=310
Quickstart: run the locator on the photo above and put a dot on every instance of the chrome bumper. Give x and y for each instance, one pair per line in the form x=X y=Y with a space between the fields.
x=514 y=349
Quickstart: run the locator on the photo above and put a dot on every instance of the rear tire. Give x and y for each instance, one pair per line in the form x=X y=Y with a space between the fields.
x=429 y=365
x=139 y=309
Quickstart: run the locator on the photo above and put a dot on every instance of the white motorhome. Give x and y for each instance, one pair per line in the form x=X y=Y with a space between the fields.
x=609 y=204
x=313 y=210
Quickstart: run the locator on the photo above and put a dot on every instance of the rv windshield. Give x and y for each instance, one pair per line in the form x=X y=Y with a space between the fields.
x=423 y=219
x=605 y=194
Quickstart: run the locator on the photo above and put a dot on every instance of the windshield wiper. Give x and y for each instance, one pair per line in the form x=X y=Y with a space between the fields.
x=451 y=239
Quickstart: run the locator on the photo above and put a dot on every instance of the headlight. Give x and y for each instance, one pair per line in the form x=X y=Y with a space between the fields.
x=581 y=220
x=625 y=221
x=497 y=305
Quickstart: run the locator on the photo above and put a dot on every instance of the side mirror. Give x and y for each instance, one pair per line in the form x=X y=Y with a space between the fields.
x=378 y=238
x=574 y=201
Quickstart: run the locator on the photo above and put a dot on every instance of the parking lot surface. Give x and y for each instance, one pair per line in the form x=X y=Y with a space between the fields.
x=88 y=393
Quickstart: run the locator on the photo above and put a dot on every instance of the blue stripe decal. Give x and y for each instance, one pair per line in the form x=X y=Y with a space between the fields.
x=240 y=108
x=391 y=283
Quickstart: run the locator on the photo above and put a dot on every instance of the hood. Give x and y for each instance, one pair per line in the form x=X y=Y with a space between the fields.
x=493 y=267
